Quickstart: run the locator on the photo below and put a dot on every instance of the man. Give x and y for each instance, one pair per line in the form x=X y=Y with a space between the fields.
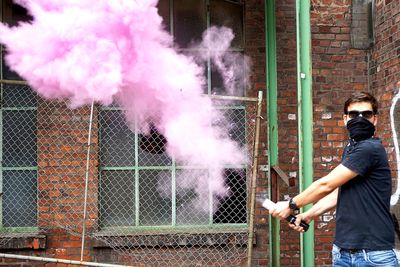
x=360 y=189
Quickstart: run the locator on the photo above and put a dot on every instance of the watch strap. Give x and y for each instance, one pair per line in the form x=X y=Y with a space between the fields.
x=293 y=205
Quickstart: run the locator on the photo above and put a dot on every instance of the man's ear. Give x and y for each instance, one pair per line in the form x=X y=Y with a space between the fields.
x=375 y=120
x=345 y=119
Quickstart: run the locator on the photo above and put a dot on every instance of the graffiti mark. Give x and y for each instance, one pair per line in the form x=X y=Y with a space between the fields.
x=395 y=197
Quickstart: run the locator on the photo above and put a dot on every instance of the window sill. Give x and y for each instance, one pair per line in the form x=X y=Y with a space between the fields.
x=22 y=241
x=172 y=237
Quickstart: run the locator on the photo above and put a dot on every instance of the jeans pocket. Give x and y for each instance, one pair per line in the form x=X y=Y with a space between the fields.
x=335 y=254
x=397 y=252
x=382 y=258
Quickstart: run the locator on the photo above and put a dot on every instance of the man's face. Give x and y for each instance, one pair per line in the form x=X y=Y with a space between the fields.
x=360 y=109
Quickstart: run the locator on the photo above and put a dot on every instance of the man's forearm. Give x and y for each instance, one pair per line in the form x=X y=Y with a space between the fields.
x=323 y=205
x=324 y=186
x=316 y=191
x=312 y=194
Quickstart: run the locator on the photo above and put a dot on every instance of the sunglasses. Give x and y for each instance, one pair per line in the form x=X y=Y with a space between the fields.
x=352 y=114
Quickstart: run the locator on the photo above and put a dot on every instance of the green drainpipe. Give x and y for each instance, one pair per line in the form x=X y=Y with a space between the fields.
x=271 y=69
x=305 y=118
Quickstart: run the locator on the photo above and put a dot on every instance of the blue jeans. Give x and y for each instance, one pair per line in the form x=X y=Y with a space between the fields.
x=363 y=258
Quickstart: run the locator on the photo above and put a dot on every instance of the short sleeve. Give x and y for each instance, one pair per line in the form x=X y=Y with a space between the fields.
x=359 y=158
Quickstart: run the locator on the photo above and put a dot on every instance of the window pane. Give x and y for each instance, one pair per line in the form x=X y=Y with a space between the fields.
x=19 y=138
x=233 y=207
x=118 y=147
x=237 y=84
x=190 y=207
x=163 y=11
x=117 y=198
x=8 y=74
x=19 y=199
x=16 y=96
x=224 y=13
x=217 y=82
x=13 y=13
x=237 y=125
x=117 y=140
x=155 y=197
x=189 y=21
x=152 y=149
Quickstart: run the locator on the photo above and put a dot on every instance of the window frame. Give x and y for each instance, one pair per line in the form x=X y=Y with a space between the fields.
x=14 y=229
x=173 y=167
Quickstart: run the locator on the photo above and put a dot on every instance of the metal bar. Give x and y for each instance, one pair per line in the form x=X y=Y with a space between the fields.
x=168 y=229
x=250 y=99
x=173 y=194
x=272 y=95
x=231 y=49
x=34 y=258
x=174 y=174
x=1 y=130
x=208 y=24
x=164 y=168
x=137 y=173
x=305 y=118
x=299 y=115
x=20 y=109
x=13 y=231
x=254 y=181
x=171 y=17
x=14 y=82
x=210 y=201
x=20 y=168
x=87 y=180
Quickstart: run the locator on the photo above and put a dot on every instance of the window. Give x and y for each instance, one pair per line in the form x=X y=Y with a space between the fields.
x=362 y=22
x=140 y=185
x=18 y=176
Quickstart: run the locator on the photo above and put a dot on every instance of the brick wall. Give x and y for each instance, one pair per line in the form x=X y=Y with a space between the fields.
x=338 y=70
x=57 y=182
x=62 y=148
x=385 y=67
x=385 y=76
x=287 y=117
x=255 y=49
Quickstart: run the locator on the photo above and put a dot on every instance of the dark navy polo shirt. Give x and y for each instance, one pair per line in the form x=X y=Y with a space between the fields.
x=363 y=219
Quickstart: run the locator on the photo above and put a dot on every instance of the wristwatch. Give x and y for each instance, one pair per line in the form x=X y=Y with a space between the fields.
x=292 y=205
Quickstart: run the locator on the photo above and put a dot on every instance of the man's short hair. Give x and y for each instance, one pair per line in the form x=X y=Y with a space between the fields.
x=358 y=97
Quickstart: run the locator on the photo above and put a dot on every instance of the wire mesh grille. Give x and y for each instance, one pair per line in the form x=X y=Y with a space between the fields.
x=140 y=201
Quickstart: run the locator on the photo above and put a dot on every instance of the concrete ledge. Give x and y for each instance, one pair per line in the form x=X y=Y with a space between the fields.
x=172 y=240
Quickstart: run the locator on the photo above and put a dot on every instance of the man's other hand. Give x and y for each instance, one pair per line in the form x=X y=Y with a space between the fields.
x=299 y=217
x=281 y=210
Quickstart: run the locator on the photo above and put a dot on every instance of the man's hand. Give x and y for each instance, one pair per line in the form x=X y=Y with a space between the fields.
x=296 y=226
x=281 y=210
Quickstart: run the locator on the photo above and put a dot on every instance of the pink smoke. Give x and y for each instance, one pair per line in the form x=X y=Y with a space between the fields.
x=117 y=51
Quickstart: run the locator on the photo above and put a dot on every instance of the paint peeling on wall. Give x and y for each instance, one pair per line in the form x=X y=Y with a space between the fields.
x=325 y=219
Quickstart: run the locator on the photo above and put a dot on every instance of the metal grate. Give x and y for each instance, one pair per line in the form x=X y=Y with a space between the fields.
x=139 y=201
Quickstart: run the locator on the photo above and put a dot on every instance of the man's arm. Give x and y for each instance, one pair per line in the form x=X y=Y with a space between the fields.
x=323 y=205
x=316 y=191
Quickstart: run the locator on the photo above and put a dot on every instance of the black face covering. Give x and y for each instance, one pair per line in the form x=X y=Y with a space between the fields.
x=360 y=128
